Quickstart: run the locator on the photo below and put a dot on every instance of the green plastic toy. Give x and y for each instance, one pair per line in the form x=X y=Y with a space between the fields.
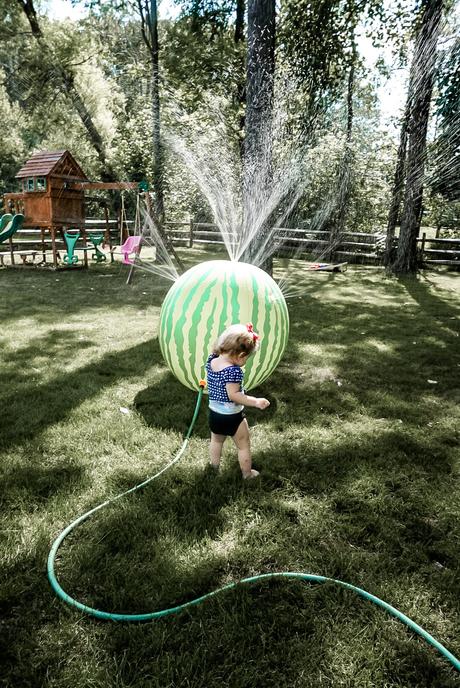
x=96 y=239
x=11 y=226
x=71 y=237
x=5 y=220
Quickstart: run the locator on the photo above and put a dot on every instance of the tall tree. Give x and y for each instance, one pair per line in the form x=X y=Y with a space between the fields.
x=421 y=88
x=67 y=80
x=240 y=95
x=397 y=191
x=314 y=46
x=148 y=11
x=260 y=73
x=313 y=37
x=332 y=215
x=346 y=169
x=210 y=39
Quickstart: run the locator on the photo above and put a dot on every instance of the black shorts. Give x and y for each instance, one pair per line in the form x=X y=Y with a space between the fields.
x=225 y=424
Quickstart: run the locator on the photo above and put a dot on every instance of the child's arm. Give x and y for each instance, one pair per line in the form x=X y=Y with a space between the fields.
x=239 y=397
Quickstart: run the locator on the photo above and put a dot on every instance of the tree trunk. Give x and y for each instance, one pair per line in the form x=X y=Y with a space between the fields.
x=148 y=11
x=398 y=187
x=333 y=216
x=240 y=94
x=260 y=73
x=239 y=21
x=345 y=174
x=67 y=80
x=158 y=166
x=421 y=86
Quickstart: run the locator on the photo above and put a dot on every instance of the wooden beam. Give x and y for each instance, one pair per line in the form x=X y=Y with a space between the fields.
x=13 y=196
x=110 y=186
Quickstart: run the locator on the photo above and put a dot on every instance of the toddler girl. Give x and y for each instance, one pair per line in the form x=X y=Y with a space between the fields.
x=227 y=397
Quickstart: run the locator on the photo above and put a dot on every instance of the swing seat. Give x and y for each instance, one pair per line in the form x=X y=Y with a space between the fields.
x=71 y=237
x=132 y=245
x=97 y=238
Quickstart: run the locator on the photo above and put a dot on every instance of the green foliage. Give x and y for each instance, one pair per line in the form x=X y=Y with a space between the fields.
x=33 y=82
x=214 y=15
x=197 y=62
x=200 y=62
x=373 y=153
x=316 y=43
x=12 y=147
x=442 y=213
x=313 y=36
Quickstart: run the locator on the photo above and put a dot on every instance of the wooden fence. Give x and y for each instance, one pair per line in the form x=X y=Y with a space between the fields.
x=439 y=251
x=352 y=247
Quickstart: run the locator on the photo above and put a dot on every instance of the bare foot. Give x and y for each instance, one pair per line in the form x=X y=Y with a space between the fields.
x=252 y=474
x=215 y=466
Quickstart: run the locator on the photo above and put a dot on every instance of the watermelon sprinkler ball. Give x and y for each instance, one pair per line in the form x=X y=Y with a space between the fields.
x=206 y=300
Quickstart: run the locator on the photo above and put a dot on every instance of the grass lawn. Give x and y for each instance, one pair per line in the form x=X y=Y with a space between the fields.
x=359 y=454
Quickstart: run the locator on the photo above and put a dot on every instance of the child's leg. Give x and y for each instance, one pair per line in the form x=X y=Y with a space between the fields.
x=243 y=443
x=215 y=448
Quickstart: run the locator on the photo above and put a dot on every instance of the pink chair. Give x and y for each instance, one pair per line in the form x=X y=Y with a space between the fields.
x=132 y=245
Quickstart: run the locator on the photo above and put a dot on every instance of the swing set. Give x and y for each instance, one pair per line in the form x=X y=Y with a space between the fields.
x=99 y=238
x=130 y=243
x=51 y=203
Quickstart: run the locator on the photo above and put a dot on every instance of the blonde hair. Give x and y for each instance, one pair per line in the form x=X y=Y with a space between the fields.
x=237 y=339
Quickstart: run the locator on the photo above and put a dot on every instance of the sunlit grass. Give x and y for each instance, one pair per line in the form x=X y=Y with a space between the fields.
x=359 y=460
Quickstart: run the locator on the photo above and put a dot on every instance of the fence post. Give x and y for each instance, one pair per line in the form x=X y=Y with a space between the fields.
x=422 y=248
x=10 y=240
x=190 y=241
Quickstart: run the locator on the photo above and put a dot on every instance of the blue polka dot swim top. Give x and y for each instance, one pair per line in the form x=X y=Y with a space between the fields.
x=218 y=397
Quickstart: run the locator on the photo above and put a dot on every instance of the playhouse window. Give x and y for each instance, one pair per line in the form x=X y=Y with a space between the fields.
x=31 y=184
x=40 y=184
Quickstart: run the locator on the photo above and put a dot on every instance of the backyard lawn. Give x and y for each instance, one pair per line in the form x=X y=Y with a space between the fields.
x=359 y=459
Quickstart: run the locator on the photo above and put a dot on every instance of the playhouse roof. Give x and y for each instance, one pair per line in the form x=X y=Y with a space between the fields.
x=59 y=162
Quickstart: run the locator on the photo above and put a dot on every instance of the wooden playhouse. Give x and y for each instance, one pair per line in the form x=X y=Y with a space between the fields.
x=49 y=198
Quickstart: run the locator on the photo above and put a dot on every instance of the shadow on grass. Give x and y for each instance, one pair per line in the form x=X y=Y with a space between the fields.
x=169 y=405
x=366 y=355
x=384 y=523
x=381 y=514
x=160 y=548
x=22 y=362
x=34 y=485
x=30 y=408
x=44 y=294
x=173 y=558
x=22 y=593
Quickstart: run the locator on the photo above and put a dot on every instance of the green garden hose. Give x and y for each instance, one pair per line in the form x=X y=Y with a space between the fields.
x=253 y=579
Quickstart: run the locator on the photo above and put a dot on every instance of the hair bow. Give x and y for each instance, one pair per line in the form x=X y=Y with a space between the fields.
x=250 y=328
